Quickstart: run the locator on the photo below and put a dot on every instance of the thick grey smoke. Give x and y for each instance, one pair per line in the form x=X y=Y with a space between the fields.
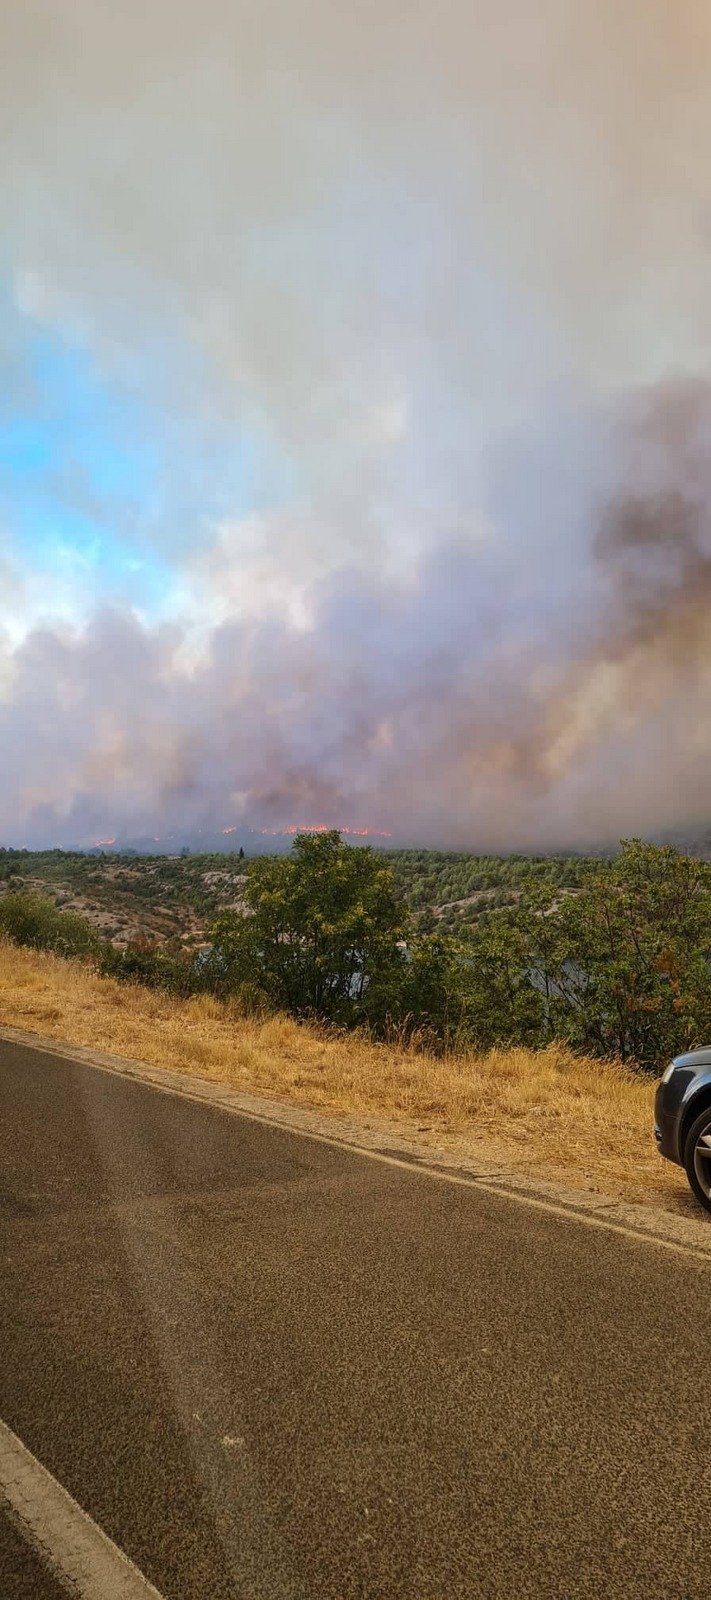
x=453 y=275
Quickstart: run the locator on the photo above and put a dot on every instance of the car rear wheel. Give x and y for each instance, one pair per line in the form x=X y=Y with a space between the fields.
x=697 y=1158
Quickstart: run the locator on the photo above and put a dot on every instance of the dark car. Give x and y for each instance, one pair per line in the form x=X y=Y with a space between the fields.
x=682 y=1119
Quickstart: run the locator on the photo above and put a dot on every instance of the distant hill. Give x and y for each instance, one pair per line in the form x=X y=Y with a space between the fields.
x=149 y=889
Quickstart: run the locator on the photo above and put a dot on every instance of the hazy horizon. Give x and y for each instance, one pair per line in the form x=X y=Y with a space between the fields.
x=270 y=841
x=355 y=423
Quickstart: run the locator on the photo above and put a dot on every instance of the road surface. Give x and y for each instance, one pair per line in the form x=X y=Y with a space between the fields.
x=269 y=1368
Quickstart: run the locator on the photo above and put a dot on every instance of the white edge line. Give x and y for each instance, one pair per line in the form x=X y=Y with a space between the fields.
x=417 y=1165
x=62 y=1533
x=462 y=1181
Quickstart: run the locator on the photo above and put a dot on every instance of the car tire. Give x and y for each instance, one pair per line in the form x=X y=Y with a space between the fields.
x=696 y=1162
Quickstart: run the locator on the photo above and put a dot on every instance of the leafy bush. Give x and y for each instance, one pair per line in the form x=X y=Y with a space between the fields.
x=156 y=966
x=619 y=966
x=30 y=919
x=628 y=964
x=321 y=932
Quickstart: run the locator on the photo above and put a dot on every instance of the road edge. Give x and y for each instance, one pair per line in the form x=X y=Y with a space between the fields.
x=72 y=1545
x=384 y=1141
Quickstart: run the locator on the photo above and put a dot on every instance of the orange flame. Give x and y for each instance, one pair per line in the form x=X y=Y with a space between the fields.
x=322 y=827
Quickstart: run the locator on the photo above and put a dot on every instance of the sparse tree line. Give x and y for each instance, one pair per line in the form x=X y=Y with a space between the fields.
x=612 y=956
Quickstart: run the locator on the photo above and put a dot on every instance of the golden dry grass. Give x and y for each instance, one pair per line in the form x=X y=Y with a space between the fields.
x=547 y=1113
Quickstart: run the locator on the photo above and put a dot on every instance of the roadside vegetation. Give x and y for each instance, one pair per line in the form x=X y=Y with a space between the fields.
x=548 y=1113
x=611 y=958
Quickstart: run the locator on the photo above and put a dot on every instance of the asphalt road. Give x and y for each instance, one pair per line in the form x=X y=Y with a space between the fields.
x=23 y=1573
x=271 y=1368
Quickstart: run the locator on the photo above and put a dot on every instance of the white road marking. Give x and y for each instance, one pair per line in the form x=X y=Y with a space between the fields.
x=417 y=1166
x=75 y=1547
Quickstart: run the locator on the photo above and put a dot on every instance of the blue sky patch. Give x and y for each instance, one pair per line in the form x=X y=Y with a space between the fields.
x=101 y=490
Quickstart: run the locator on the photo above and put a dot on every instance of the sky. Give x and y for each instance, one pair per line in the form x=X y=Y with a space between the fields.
x=355 y=419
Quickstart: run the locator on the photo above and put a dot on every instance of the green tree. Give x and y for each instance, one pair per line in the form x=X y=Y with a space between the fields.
x=432 y=998
x=633 y=970
x=505 y=1003
x=321 y=931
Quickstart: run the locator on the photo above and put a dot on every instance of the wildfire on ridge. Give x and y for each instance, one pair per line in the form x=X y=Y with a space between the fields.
x=322 y=827
x=98 y=843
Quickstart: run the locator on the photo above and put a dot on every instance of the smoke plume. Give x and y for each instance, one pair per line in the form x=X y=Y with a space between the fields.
x=413 y=307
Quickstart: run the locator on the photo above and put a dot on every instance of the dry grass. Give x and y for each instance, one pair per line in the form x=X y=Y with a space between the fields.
x=547 y=1113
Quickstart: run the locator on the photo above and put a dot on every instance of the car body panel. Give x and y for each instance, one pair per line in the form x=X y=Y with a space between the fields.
x=678 y=1101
